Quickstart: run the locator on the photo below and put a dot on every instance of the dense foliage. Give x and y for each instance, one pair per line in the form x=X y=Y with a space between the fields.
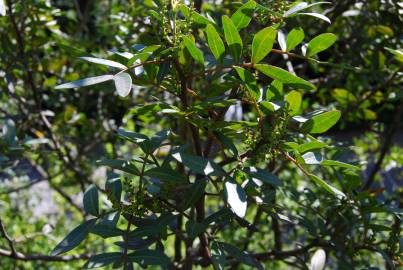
x=202 y=134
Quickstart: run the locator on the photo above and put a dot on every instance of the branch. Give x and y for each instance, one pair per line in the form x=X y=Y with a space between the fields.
x=40 y=257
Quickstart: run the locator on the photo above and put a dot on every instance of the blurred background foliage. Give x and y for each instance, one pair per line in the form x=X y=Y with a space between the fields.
x=51 y=139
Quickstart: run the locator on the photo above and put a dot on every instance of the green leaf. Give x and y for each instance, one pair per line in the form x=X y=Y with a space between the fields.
x=104 y=62
x=397 y=53
x=74 y=238
x=242 y=17
x=232 y=38
x=294 y=99
x=123 y=84
x=320 y=43
x=218 y=256
x=236 y=198
x=166 y=174
x=240 y=256
x=194 y=229
x=215 y=42
x=140 y=139
x=90 y=200
x=199 y=164
x=310 y=146
x=106 y=230
x=194 y=193
x=312 y=158
x=264 y=176
x=250 y=82
x=85 y=82
x=150 y=257
x=106 y=226
x=158 y=138
x=340 y=164
x=195 y=52
x=322 y=122
x=102 y=260
x=263 y=43
x=284 y=76
x=118 y=164
x=295 y=37
x=327 y=187
x=113 y=187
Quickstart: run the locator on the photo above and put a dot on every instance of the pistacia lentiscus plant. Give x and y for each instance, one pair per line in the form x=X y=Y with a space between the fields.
x=225 y=167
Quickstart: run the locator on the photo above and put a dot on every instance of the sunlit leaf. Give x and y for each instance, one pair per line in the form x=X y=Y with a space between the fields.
x=244 y=14
x=236 y=198
x=321 y=122
x=284 y=76
x=320 y=43
x=86 y=82
x=215 y=42
x=263 y=43
x=232 y=38
x=104 y=62
x=295 y=37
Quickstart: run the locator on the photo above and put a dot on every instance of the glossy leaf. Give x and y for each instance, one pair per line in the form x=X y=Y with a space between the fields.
x=199 y=164
x=215 y=42
x=123 y=84
x=195 y=52
x=118 y=164
x=74 y=238
x=102 y=260
x=250 y=82
x=317 y=15
x=195 y=192
x=294 y=100
x=263 y=43
x=241 y=256
x=218 y=256
x=322 y=122
x=264 y=176
x=150 y=257
x=294 y=38
x=244 y=14
x=166 y=174
x=91 y=204
x=327 y=187
x=301 y=6
x=320 y=43
x=85 y=82
x=114 y=188
x=236 y=198
x=232 y=38
x=340 y=164
x=104 y=62
x=284 y=76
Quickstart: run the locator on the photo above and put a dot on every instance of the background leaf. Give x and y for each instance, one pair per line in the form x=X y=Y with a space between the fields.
x=320 y=43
